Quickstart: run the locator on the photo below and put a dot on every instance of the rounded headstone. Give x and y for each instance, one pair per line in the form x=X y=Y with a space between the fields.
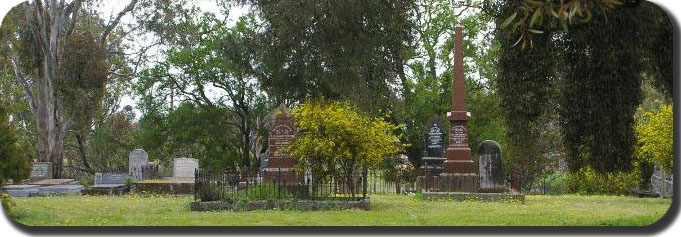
x=490 y=167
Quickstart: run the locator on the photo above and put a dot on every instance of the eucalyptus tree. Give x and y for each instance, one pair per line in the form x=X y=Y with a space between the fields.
x=35 y=47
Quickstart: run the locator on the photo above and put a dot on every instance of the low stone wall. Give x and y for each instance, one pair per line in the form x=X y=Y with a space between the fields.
x=175 y=188
x=299 y=205
x=461 y=196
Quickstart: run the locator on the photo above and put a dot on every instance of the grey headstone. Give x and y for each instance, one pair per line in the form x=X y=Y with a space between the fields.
x=185 y=167
x=435 y=146
x=662 y=183
x=136 y=160
x=110 y=178
x=490 y=166
x=41 y=170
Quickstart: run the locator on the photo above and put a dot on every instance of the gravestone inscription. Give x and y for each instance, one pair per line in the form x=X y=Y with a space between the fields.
x=282 y=132
x=185 y=167
x=136 y=160
x=280 y=165
x=435 y=138
x=41 y=170
x=110 y=178
x=490 y=167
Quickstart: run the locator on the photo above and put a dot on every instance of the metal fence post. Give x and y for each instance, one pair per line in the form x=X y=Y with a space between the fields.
x=364 y=183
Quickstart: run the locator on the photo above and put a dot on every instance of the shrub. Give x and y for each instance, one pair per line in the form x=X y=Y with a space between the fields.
x=586 y=181
x=15 y=155
x=655 y=135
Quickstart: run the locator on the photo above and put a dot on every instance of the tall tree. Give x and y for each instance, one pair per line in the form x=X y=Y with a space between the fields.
x=600 y=51
x=46 y=26
x=348 y=49
x=217 y=70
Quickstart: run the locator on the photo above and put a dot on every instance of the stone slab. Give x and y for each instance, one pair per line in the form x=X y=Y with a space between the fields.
x=19 y=187
x=60 y=190
x=106 y=189
x=49 y=182
x=462 y=196
x=107 y=186
x=21 y=190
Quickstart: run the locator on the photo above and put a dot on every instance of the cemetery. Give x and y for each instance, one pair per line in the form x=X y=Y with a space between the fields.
x=412 y=113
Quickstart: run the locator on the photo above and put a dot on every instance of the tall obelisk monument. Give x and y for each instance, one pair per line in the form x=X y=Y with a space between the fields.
x=458 y=170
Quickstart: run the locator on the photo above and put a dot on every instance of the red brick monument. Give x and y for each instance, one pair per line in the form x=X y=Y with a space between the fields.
x=458 y=171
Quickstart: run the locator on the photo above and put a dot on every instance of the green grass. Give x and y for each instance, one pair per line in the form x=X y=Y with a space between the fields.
x=387 y=210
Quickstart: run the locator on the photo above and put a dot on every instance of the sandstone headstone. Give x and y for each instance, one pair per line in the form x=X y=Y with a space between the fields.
x=279 y=164
x=185 y=167
x=41 y=170
x=136 y=160
x=490 y=167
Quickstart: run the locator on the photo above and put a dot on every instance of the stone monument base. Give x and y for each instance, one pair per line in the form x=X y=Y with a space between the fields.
x=427 y=182
x=459 y=182
x=493 y=190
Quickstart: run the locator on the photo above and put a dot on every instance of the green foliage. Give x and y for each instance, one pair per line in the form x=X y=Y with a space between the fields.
x=601 y=67
x=343 y=49
x=8 y=205
x=129 y=182
x=336 y=139
x=83 y=81
x=588 y=181
x=655 y=135
x=583 y=72
x=525 y=85
x=212 y=73
x=427 y=90
x=15 y=155
x=190 y=130
x=533 y=17
x=398 y=170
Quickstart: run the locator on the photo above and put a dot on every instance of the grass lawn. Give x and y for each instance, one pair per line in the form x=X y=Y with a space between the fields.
x=387 y=210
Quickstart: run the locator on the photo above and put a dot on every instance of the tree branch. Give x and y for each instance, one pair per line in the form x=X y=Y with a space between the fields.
x=117 y=20
x=19 y=77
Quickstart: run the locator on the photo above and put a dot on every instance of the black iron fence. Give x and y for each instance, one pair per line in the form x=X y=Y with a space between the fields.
x=275 y=184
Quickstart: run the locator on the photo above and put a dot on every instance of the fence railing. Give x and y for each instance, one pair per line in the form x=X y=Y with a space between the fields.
x=491 y=181
x=248 y=185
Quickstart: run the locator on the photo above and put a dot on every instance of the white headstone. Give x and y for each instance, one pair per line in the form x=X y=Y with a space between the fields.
x=136 y=160
x=185 y=167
